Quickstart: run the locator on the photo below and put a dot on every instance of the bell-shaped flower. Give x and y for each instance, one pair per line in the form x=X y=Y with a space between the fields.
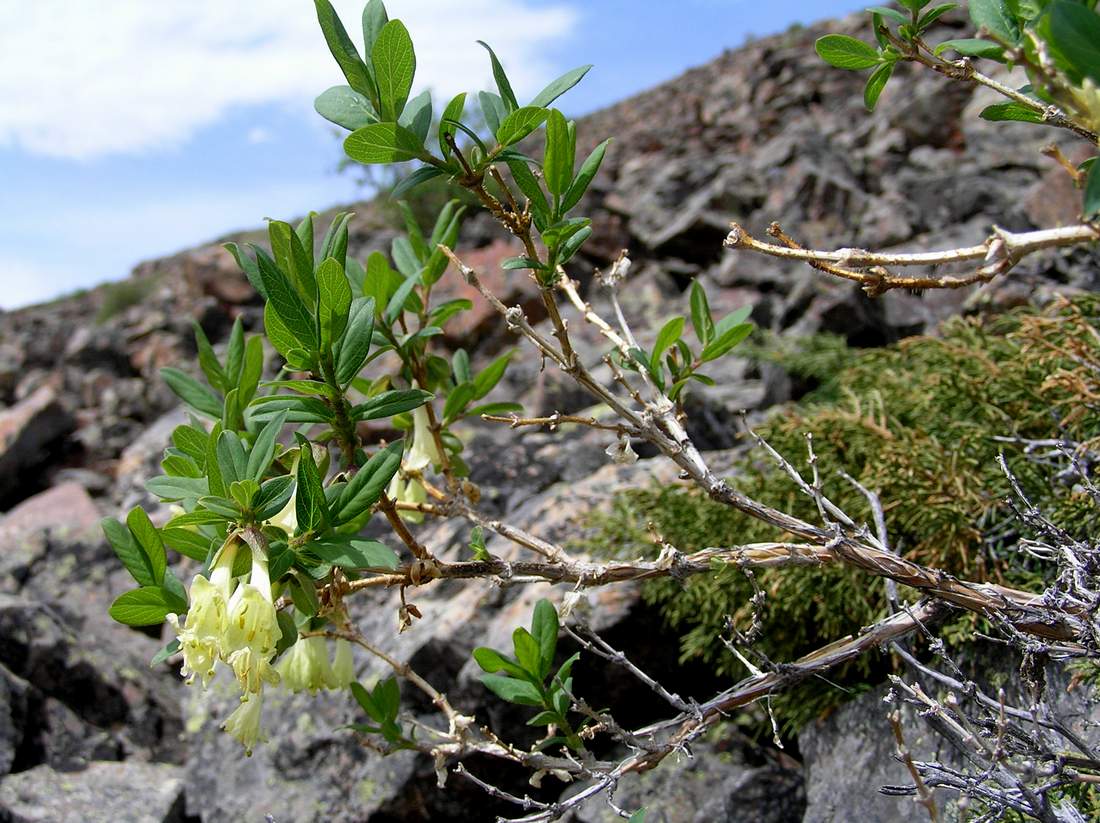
x=207 y=618
x=343 y=666
x=305 y=666
x=412 y=491
x=244 y=722
x=253 y=629
x=424 y=451
x=287 y=519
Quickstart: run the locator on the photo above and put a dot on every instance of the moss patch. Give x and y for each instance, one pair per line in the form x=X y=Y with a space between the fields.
x=919 y=423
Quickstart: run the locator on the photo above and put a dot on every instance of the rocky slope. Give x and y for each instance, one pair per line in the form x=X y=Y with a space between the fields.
x=764 y=133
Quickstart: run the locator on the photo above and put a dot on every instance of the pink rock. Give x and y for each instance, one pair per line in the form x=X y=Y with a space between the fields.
x=66 y=506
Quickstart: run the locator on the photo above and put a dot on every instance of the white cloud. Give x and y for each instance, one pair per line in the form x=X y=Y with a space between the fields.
x=83 y=79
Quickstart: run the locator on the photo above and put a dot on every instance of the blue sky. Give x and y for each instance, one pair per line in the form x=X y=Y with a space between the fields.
x=131 y=129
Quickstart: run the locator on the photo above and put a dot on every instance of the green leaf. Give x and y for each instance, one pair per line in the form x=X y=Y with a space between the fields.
x=417 y=116
x=279 y=561
x=724 y=342
x=188 y=543
x=875 y=84
x=893 y=14
x=846 y=52
x=530 y=187
x=544 y=629
x=584 y=177
x=273 y=497
x=700 y=314
x=457 y=401
x=557 y=88
x=355 y=346
x=353 y=553
x=994 y=17
x=493 y=111
x=421 y=175
x=384 y=143
x=213 y=473
x=165 y=653
x=191 y=392
x=452 y=112
x=335 y=242
x=488 y=377
x=263 y=450
x=1092 y=193
x=310 y=505
x=232 y=460
x=519 y=124
x=503 y=86
x=734 y=318
x=351 y=64
x=365 y=487
x=445 y=235
x=178 y=488
x=345 y=107
x=397 y=302
x=248 y=266
x=278 y=333
x=374 y=18
x=175 y=595
x=973 y=47
x=141 y=607
x=394 y=63
x=934 y=14
x=670 y=332
x=304 y=595
x=286 y=302
x=208 y=361
x=512 y=689
x=571 y=246
x=557 y=165
x=1011 y=111
x=148 y=540
x=129 y=552
x=234 y=354
x=334 y=300
x=406 y=260
x=492 y=661
x=460 y=365
x=1075 y=31
x=191 y=441
x=251 y=370
x=517 y=263
x=389 y=403
x=527 y=652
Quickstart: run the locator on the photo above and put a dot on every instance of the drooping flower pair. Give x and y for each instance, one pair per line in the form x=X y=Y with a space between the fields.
x=237 y=624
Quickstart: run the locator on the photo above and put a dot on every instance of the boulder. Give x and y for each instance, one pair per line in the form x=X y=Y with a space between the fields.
x=100 y=793
x=28 y=432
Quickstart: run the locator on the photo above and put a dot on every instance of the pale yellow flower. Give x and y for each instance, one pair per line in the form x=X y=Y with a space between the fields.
x=306 y=666
x=207 y=618
x=253 y=629
x=424 y=451
x=244 y=722
x=343 y=665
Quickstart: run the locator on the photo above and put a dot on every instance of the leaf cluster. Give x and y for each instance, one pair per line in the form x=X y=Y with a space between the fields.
x=525 y=678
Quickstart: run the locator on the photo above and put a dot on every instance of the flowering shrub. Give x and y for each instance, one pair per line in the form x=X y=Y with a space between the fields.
x=273 y=483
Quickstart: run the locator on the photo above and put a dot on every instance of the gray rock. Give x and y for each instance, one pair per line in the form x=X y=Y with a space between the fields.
x=100 y=793
x=716 y=785
x=28 y=430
